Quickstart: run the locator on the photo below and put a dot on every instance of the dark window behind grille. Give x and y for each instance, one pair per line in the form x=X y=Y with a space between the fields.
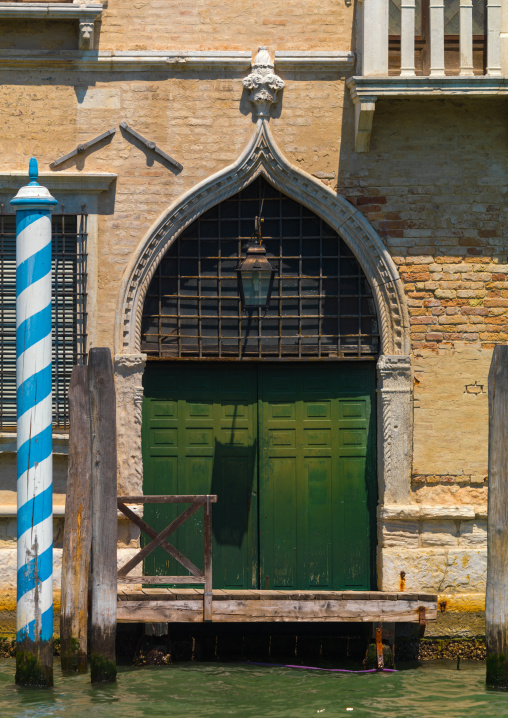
x=69 y=312
x=321 y=306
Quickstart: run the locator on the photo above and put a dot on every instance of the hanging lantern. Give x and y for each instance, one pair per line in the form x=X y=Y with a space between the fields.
x=255 y=275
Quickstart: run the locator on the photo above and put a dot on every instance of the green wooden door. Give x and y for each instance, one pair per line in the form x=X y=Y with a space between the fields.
x=317 y=487
x=200 y=437
x=307 y=430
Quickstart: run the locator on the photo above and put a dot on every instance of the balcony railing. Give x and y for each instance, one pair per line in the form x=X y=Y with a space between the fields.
x=427 y=48
x=433 y=38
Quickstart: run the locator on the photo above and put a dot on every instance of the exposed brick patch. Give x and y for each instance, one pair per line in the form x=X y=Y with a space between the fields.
x=455 y=273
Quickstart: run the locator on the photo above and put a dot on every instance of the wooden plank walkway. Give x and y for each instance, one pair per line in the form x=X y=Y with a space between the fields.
x=176 y=605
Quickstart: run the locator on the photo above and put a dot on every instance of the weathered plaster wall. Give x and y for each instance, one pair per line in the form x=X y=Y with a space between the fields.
x=451 y=382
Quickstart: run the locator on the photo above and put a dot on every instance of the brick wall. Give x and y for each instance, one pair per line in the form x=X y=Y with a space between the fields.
x=215 y=25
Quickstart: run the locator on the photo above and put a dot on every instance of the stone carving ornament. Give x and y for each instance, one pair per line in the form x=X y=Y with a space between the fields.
x=263 y=83
x=86 y=32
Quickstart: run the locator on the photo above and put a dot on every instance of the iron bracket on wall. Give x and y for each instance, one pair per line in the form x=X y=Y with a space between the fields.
x=82 y=148
x=151 y=146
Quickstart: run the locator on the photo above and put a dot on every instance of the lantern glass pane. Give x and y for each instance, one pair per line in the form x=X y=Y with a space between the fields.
x=256 y=285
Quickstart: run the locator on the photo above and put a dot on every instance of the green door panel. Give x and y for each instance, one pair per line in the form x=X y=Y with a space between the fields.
x=307 y=429
x=317 y=487
x=200 y=437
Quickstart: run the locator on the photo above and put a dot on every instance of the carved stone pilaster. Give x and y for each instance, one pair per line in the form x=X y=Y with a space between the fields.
x=395 y=429
x=129 y=370
x=86 y=33
x=263 y=83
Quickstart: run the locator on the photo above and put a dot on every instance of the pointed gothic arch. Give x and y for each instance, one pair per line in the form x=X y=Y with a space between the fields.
x=263 y=157
x=394 y=406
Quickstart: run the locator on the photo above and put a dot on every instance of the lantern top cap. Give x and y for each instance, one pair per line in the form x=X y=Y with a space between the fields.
x=33 y=195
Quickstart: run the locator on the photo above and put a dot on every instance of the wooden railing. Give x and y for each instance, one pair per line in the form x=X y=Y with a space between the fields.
x=160 y=539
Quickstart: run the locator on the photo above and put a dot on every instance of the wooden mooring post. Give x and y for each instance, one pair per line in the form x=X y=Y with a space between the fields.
x=496 y=606
x=77 y=540
x=104 y=515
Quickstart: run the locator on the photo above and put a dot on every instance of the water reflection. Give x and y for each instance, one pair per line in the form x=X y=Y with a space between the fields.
x=213 y=690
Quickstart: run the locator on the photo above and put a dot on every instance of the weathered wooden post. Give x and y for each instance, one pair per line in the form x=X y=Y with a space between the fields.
x=77 y=540
x=34 y=652
x=104 y=515
x=496 y=606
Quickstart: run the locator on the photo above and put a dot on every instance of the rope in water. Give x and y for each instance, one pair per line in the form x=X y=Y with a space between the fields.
x=328 y=670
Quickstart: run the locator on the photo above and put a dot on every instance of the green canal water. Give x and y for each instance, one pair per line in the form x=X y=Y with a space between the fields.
x=229 y=689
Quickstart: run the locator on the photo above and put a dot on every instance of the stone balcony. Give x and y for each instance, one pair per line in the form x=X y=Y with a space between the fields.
x=447 y=48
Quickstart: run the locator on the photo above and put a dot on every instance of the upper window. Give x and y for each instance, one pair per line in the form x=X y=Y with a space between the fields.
x=423 y=39
x=69 y=311
x=321 y=305
x=451 y=17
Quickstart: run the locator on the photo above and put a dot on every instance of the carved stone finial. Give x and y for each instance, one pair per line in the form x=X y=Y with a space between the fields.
x=263 y=83
x=86 y=30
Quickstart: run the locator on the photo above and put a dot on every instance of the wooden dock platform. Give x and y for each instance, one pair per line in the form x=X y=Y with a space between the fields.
x=176 y=605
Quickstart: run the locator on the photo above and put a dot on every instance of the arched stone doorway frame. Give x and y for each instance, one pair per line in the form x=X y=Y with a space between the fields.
x=263 y=157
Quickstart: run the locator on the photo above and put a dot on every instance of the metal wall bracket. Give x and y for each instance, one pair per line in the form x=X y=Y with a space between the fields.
x=422 y=620
x=151 y=146
x=379 y=647
x=81 y=148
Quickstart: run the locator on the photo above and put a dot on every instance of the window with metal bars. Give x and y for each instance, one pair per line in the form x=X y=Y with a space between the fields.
x=321 y=306
x=69 y=311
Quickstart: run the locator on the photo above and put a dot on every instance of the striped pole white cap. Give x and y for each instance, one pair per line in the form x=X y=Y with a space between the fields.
x=33 y=205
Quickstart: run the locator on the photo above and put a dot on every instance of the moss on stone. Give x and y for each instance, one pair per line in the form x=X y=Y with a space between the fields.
x=7 y=646
x=69 y=654
x=370 y=660
x=451 y=648
x=497 y=671
x=30 y=672
x=103 y=670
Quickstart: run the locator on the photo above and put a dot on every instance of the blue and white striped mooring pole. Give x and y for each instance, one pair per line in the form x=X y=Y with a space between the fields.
x=34 y=654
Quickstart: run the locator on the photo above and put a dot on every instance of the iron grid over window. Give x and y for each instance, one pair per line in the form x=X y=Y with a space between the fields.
x=321 y=305
x=69 y=241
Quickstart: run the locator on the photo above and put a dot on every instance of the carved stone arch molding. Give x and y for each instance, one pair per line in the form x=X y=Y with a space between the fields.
x=263 y=157
x=394 y=406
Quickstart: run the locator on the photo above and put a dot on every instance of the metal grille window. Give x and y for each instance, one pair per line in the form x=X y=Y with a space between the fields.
x=321 y=306
x=69 y=311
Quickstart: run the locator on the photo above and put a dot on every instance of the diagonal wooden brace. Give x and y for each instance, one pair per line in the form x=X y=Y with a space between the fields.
x=173 y=526
x=152 y=533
